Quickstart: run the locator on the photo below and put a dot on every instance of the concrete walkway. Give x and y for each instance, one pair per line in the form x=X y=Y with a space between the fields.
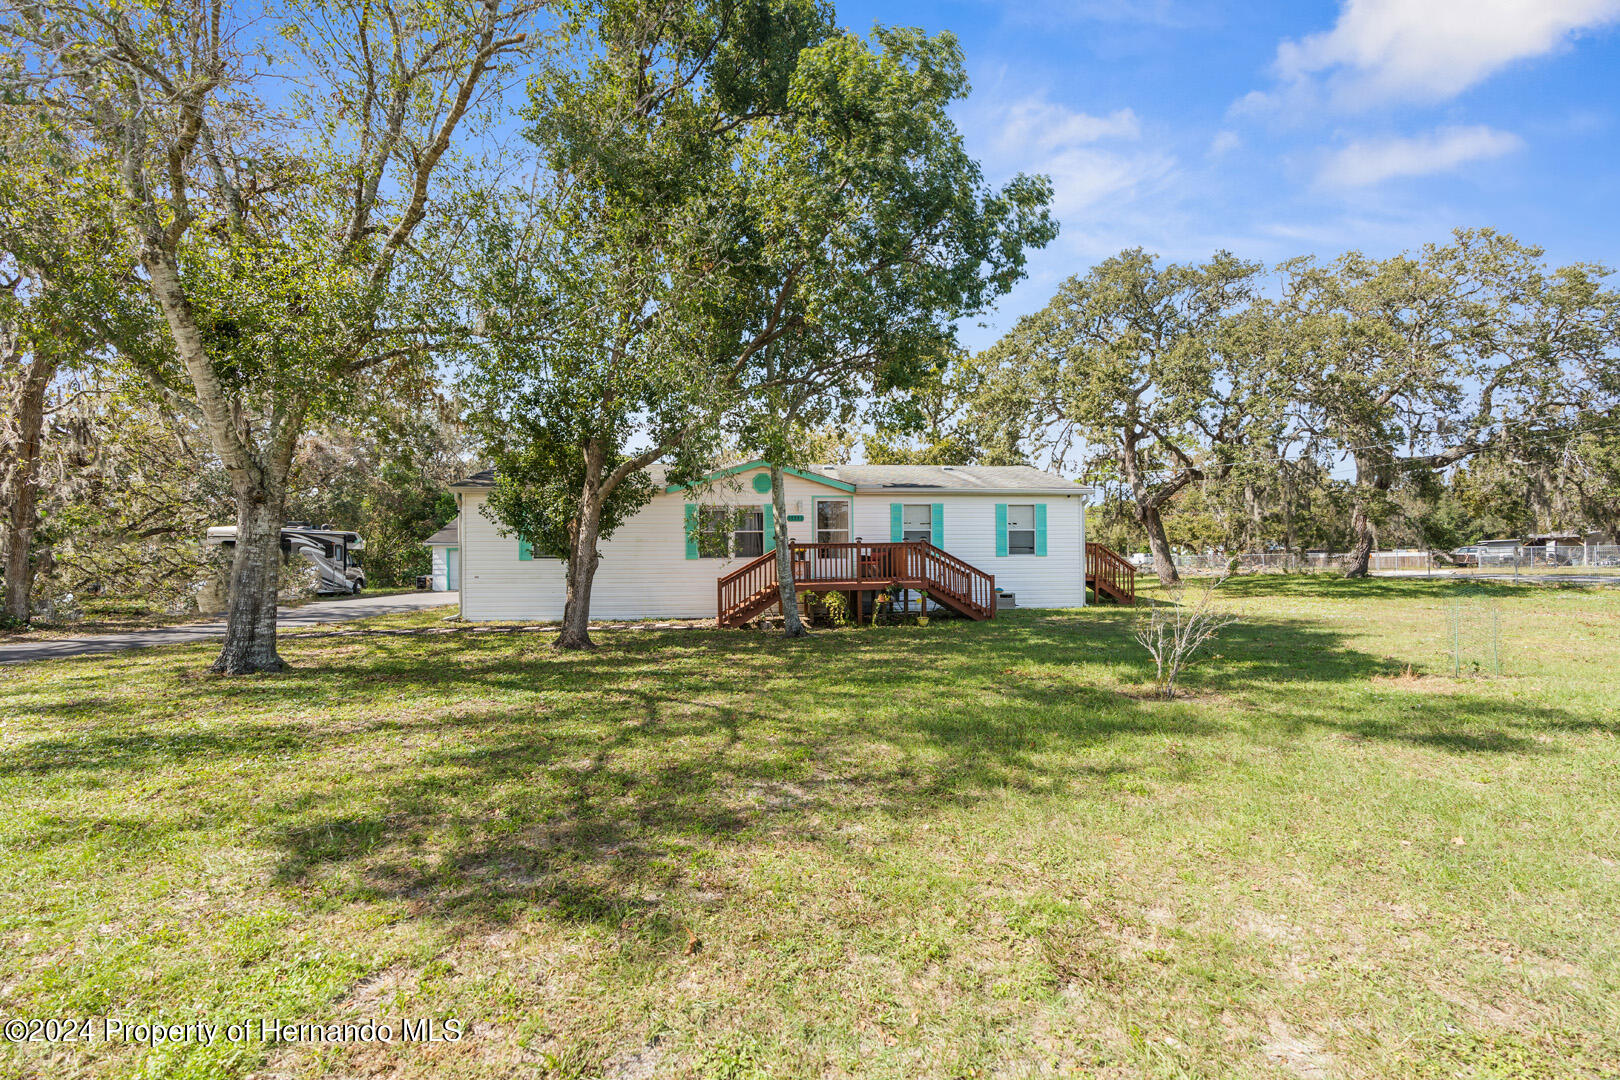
x=339 y=609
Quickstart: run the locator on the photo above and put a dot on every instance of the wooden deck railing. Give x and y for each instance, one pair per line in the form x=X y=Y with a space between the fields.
x=1110 y=572
x=751 y=588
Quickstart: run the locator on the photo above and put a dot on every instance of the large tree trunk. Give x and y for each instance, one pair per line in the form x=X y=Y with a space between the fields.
x=1371 y=481
x=258 y=476
x=1256 y=516
x=1290 y=533
x=1146 y=504
x=250 y=626
x=19 y=486
x=1357 y=566
x=792 y=625
x=250 y=610
x=1164 y=563
x=583 y=556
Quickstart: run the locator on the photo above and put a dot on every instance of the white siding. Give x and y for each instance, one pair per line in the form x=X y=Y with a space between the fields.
x=644 y=572
x=1057 y=579
x=440 y=581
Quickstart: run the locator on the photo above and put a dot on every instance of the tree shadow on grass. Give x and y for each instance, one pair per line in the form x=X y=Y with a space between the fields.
x=583 y=784
x=141 y=749
x=591 y=820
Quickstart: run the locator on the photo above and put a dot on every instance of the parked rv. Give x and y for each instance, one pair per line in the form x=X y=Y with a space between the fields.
x=334 y=552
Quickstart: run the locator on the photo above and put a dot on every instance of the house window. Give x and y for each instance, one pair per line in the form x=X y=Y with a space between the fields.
x=917 y=522
x=713 y=525
x=748 y=539
x=1021 y=529
x=832 y=521
x=725 y=531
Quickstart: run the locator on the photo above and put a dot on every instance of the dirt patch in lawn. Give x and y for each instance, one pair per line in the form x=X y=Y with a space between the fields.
x=1299 y=1055
x=1421 y=683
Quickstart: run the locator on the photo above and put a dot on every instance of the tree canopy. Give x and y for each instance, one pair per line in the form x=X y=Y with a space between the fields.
x=734 y=229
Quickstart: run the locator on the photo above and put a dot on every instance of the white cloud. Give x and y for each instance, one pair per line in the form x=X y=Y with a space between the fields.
x=1083 y=178
x=1224 y=143
x=1375 y=160
x=1088 y=156
x=1037 y=126
x=1423 y=50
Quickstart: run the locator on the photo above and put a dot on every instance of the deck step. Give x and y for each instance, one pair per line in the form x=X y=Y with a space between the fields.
x=1104 y=588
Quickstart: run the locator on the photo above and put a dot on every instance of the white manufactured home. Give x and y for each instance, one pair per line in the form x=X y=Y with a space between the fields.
x=965 y=534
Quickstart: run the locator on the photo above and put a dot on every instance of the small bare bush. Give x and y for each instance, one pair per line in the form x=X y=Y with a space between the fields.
x=1174 y=632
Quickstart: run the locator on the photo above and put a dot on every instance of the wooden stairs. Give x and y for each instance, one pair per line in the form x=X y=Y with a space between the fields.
x=1110 y=574
x=751 y=590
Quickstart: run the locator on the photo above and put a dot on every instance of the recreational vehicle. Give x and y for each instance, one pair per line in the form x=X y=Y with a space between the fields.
x=333 y=552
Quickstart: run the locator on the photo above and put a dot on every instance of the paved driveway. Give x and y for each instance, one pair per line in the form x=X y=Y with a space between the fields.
x=340 y=609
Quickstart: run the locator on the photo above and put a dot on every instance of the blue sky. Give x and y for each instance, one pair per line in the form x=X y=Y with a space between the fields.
x=1275 y=129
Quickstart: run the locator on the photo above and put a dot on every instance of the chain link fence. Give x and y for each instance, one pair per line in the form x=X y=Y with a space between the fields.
x=1288 y=561
x=1588 y=563
x=1548 y=562
x=1474 y=635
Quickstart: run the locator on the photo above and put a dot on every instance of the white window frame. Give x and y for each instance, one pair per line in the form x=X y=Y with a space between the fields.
x=1012 y=549
x=926 y=531
x=746 y=515
x=721 y=523
x=849 y=519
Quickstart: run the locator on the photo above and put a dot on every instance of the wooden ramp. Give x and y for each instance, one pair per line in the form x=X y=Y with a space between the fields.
x=751 y=590
x=1110 y=574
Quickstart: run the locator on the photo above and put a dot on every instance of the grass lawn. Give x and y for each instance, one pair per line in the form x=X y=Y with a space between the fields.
x=122 y=614
x=965 y=850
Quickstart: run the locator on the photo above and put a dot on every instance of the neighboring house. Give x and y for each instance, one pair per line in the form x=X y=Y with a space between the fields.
x=445 y=546
x=1024 y=527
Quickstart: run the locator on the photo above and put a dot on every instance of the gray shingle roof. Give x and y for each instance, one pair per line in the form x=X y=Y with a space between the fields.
x=985 y=479
x=484 y=478
x=981 y=478
x=447 y=536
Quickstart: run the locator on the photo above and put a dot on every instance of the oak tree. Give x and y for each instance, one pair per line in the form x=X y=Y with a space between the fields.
x=281 y=233
x=1159 y=370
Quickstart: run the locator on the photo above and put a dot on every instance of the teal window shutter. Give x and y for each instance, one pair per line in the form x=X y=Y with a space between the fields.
x=1001 y=529
x=1040 y=528
x=896 y=524
x=770 y=523
x=691 y=530
x=525 y=550
x=936 y=521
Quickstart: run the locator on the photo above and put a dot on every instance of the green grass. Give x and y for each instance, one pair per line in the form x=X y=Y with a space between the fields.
x=966 y=850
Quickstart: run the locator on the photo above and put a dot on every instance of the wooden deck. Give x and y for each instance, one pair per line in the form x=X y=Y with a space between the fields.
x=751 y=589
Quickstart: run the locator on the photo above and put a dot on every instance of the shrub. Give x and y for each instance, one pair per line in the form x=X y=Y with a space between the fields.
x=1173 y=633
